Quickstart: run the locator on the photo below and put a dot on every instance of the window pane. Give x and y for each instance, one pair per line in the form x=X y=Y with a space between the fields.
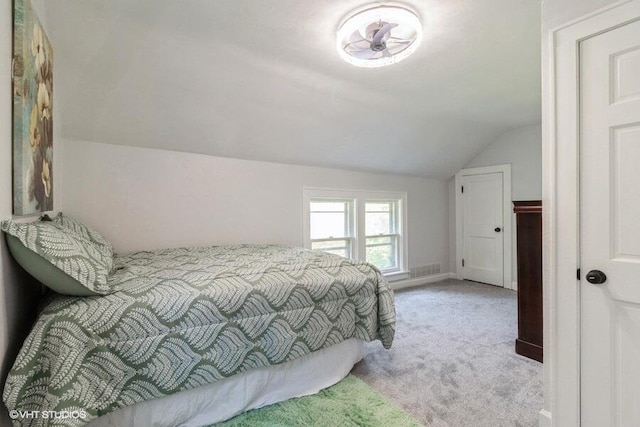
x=379 y=218
x=325 y=225
x=328 y=206
x=382 y=252
x=378 y=223
x=338 y=247
x=329 y=218
x=378 y=207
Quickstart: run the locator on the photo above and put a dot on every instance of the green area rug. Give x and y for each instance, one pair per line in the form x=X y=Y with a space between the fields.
x=350 y=403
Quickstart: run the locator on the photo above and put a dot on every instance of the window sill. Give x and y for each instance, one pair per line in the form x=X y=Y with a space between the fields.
x=394 y=276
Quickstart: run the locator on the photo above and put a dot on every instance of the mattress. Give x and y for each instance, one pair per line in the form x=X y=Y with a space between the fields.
x=184 y=318
x=252 y=389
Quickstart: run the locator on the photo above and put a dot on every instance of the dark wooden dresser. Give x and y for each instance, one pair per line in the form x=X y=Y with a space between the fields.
x=529 y=247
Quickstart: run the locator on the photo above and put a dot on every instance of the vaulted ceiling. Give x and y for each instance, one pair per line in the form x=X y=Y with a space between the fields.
x=261 y=79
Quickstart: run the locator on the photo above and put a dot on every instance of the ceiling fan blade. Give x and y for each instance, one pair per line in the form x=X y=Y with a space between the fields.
x=356 y=39
x=386 y=53
x=352 y=47
x=356 y=36
x=398 y=41
x=382 y=32
x=364 y=54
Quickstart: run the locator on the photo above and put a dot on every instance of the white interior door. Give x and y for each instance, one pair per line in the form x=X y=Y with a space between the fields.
x=482 y=228
x=610 y=228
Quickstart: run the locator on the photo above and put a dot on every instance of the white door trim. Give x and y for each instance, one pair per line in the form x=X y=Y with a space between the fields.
x=506 y=214
x=560 y=171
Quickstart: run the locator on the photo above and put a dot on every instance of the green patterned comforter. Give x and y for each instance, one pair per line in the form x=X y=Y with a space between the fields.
x=183 y=318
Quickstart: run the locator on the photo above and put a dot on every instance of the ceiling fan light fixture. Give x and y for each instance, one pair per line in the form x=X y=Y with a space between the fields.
x=379 y=36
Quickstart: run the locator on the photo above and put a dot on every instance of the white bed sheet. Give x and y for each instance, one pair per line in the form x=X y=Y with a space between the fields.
x=229 y=397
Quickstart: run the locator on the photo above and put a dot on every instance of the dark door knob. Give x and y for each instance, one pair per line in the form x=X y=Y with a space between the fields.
x=596 y=277
x=497 y=229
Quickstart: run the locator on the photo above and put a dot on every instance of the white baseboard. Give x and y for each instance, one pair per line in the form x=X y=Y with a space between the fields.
x=419 y=281
x=514 y=286
x=544 y=418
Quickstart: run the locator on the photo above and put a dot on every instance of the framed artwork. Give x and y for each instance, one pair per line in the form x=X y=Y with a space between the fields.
x=32 y=113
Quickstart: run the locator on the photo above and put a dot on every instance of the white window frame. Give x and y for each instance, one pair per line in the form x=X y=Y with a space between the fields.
x=350 y=223
x=359 y=197
x=397 y=222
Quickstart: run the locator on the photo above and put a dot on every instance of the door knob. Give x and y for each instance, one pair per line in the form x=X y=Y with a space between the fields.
x=497 y=229
x=596 y=277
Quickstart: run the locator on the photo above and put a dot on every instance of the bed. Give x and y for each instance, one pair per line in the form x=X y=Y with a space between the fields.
x=208 y=332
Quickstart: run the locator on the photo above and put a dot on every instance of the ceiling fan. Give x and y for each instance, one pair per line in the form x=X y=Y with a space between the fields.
x=377 y=43
x=379 y=36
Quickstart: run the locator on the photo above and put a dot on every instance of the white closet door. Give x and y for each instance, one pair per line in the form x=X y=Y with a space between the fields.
x=610 y=228
x=482 y=228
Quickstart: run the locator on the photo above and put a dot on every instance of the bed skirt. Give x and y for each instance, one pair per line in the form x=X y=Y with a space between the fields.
x=252 y=389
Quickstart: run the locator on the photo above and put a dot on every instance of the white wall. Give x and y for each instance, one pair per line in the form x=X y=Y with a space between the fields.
x=522 y=149
x=18 y=292
x=143 y=198
x=559 y=12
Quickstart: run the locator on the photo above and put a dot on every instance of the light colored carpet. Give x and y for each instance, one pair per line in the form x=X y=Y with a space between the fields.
x=452 y=363
x=350 y=403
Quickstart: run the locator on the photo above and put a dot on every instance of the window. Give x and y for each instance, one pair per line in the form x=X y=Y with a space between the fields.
x=359 y=225
x=382 y=236
x=331 y=226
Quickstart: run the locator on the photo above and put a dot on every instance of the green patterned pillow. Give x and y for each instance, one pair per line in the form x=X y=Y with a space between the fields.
x=37 y=246
x=102 y=244
x=82 y=230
